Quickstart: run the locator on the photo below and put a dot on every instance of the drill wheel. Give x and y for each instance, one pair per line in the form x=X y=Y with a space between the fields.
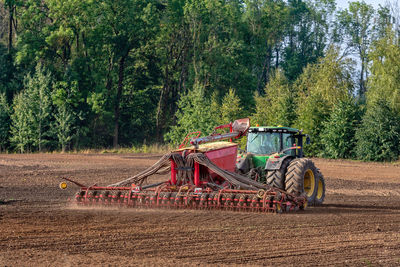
x=236 y=202
x=203 y=201
x=228 y=201
x=255 y=203
x=178 y=202
x=79 y=196
x=210 y=200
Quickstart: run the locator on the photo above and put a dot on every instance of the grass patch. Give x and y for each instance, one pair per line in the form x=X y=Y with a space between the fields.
x=153 y=148
x=143 y=148
x=367 y=262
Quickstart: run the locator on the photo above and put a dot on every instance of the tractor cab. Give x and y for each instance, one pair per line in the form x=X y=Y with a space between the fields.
x=265 y=143
x=270 y=140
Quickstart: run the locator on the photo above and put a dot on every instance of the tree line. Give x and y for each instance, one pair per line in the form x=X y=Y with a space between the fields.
x=88 y=74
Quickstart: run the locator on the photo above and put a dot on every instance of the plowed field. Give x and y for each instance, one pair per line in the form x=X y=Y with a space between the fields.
x=359 y=224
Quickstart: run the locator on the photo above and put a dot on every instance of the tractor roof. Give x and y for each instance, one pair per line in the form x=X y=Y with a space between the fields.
x=279 y=129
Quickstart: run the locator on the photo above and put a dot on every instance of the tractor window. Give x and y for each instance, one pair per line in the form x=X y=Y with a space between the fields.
x=263 y=143
x=288 y=141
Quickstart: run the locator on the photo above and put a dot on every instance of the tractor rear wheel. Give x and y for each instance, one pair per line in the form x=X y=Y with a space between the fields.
x=276 y=178
x=319 y=198
x=302 y=177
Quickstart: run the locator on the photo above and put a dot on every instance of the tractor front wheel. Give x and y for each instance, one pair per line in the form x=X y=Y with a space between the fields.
x=276 y=178
x=302 y=177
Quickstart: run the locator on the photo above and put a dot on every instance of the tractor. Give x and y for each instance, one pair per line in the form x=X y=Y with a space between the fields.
x=274 y=155
x=207 y=173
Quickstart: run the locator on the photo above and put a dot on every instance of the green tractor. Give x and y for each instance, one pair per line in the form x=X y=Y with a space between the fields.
x=274 y=155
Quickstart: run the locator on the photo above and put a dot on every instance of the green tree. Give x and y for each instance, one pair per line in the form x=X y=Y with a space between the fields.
x=266 y=23
x=378 y=137
x=68 y=35
x=8 y=79
x=138 y=113
x=4 y=121
x=338 y=135
x=21 y=130
x=382 y=21
x=385 y=71
x=306 y=34
x=39 y=103
x=11 y=6
x=219 y=53
x=194 y=114
x=231 y=109
x=173 y=47
x=319 y=88
x=128 y=25
x=32 y=112
x=129 y=62
x=31 y=44
x=63 y=126
x=277 y=106
x=65 y=98
x=355 y=29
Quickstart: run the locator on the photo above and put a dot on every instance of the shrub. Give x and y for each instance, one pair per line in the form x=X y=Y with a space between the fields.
x=338 y=136
x=378 y=137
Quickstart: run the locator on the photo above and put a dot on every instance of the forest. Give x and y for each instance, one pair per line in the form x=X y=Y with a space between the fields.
x=77 y=74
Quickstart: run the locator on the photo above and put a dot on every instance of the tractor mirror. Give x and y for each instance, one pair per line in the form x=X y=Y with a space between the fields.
x=308 y=140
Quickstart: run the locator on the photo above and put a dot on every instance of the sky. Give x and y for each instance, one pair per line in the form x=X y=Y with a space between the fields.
x=375 y=3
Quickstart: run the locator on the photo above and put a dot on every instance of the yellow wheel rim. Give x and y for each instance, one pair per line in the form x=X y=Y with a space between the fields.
x=320 y=189
x=63 y=185
x=278 y=208
x=309 y=183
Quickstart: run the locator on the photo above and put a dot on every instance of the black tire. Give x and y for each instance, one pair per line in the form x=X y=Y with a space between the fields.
x=302 y=178
x=320 y=196
x=276 y=178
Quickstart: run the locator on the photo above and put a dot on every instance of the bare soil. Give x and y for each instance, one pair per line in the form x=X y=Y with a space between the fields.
x=359 y=224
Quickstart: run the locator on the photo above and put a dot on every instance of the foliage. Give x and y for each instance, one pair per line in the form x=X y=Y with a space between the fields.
x=32 y=111
x=63 y=126
x=4 y=121
x=132 y=72
x=307 y=34
x=40 y=107
x=355 y=27
x=194 y=114
x=338 y=135
x=197 y=113
x=21 y=132
x=277 y=106
x=8 y=79
x=138 y=115
x=379 y=134
x=231 y=108
x=320 y=87
x=266 y=26
x=173 y=51
x=385 y=72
